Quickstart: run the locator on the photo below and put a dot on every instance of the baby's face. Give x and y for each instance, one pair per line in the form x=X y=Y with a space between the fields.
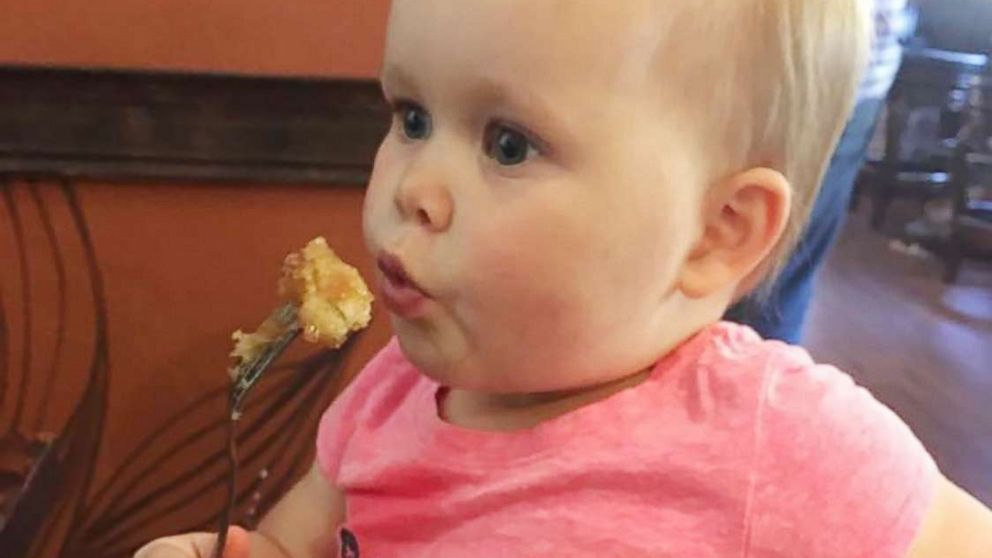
x=535 y=187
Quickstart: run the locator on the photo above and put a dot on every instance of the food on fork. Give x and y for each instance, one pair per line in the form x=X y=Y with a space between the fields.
x=331 y=298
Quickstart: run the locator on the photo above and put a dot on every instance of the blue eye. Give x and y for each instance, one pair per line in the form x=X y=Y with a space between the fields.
x=508 y=147
x=416 y=121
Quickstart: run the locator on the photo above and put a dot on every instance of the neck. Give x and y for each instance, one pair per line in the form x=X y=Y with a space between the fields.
x=515 y=411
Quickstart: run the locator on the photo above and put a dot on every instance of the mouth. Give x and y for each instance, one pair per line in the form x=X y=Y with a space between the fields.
x=400 y=292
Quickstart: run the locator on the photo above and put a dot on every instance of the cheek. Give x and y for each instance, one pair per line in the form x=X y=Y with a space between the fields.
x=516 y=271
x=523 y=254
x=591 y=256
x=536 y=290
x=559 y=299
x=521 y=317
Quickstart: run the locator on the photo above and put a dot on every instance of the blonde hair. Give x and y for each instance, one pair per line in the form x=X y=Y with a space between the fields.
x=776 y=80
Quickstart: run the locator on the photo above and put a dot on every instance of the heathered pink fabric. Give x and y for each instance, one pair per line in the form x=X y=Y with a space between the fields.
x=733 y=447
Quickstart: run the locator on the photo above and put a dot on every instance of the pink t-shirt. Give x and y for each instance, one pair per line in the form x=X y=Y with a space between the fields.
x=733 y=447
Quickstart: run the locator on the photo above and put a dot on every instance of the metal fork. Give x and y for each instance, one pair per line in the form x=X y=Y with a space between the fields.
x=246 y=375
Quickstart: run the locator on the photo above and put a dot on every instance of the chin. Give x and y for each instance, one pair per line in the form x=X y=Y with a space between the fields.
x=423 y=350
x=445 y=363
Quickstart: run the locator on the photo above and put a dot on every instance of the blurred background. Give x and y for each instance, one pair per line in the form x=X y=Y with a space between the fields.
x=158 y=160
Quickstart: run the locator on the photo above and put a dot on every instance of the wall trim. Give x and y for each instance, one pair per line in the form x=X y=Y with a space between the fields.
x=136 y=125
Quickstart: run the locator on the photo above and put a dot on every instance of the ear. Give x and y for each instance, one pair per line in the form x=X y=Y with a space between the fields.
x=744 y=217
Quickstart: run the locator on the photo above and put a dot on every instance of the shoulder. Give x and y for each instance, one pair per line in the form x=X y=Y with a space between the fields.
x=786 y=380
x=736 y=358
x=835 y=472
x=375 y=393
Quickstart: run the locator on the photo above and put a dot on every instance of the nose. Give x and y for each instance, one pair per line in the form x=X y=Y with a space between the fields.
x=424 y=199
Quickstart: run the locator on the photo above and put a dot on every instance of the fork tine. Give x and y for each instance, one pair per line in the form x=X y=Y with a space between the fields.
x=248 y=377
x=247 y=373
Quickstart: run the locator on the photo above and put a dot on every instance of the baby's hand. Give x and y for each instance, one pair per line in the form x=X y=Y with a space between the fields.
x=197 y=545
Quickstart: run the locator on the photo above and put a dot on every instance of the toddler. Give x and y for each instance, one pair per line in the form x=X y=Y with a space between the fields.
x=571 y=195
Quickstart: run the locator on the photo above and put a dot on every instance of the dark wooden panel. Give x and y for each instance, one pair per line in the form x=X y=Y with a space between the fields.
x=134 y=125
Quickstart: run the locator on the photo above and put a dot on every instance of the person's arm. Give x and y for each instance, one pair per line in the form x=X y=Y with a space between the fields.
x=957 y=526
x=304 y=522
x=301 y=525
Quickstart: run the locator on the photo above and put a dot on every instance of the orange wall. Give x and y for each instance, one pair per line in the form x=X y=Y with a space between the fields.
x=295 y=37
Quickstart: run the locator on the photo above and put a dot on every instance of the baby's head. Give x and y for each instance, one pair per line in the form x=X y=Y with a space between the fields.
x=579 y=185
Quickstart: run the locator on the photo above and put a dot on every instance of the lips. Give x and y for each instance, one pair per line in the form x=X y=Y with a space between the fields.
x=400 y=293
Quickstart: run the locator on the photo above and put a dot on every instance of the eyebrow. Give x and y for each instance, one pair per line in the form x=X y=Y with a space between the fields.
x=490 y=91
x=394 y=76
x=484 y=90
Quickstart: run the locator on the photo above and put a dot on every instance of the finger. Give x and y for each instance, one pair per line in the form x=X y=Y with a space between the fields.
x=179 y=546
x=238 y=543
